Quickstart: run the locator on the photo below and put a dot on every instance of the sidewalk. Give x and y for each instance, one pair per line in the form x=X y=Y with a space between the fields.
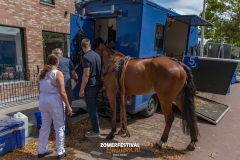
x=144 y=131
x=221 y=141
x=30 y=108
x=218 y=142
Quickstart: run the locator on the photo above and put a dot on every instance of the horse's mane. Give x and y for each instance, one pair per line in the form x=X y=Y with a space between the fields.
x=114 y=52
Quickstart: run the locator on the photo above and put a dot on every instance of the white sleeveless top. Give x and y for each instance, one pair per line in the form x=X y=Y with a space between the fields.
x=49 y=84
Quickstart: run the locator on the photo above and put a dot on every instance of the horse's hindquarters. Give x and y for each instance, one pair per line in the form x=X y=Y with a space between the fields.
x=137 y=77
x=146 y=75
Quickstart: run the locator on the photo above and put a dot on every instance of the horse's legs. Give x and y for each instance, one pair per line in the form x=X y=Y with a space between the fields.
x=112 y=100
x=166 y=106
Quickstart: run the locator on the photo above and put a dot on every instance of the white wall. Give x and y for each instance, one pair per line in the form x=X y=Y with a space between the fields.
x=113 y=22
x=176 y=39
x=105 y=23
x=104 y=29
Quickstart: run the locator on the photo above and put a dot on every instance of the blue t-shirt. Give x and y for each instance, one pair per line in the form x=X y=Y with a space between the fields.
x=93 y=61
x=66 y=66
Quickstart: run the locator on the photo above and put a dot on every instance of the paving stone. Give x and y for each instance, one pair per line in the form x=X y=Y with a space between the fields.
x=116 y=158
x=30 y=158
x=96 y=153
x=142 y=130
x=105 y=155
x=84 y=155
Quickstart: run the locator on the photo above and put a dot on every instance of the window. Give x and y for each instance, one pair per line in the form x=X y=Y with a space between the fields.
x=78 y=1
x=159 y=37
x=53 y=40
x=11 y=52
x=51 y=2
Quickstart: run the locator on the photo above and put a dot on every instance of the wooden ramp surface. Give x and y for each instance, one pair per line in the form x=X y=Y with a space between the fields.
x=210 y=110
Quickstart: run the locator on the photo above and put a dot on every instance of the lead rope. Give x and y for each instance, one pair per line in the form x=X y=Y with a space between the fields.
x=123 y=116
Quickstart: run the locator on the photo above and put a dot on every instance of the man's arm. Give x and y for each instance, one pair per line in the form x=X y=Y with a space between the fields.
x=85 y=77
x=73 y=72
x=74 y=76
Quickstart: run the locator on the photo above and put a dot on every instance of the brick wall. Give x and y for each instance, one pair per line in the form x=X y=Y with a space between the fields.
x=34 y=18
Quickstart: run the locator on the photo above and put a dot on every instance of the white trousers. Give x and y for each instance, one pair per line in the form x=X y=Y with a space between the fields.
x=52 y=109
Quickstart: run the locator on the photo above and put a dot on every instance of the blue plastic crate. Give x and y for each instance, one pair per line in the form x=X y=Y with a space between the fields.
x=228 y=91
x=20 y=137
x=12 y=135
x=38 y=119
x=234 y=78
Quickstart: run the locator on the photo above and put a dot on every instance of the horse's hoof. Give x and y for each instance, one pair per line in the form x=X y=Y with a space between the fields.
x=191 y=146
x=159 y=143
x=110 y=137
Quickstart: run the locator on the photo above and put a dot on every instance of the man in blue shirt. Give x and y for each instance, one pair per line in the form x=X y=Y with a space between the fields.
x=91 y=84
x=67 y=68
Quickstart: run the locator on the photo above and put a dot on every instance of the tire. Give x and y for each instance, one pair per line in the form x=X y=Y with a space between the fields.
x=151 y=108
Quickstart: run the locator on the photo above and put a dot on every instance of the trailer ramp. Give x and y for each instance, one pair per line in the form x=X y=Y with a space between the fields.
x=210 y=110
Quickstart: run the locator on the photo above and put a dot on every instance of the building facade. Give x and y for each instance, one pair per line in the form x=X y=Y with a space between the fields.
x=30 y=29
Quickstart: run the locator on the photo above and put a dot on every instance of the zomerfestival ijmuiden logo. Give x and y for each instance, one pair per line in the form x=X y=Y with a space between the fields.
x=120 y=149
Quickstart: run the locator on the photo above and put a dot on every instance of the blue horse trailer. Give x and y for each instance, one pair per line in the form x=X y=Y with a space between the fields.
x=137 y=28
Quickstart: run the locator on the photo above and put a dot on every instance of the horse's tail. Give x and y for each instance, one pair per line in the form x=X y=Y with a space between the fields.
x=189 y=118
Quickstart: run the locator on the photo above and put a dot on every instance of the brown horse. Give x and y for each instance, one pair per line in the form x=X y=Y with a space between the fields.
x=170 y=79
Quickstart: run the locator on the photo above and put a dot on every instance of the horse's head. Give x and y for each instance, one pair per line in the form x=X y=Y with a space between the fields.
x=103 y=50
x=111 y=34
x=98 y=41
x=108 y=54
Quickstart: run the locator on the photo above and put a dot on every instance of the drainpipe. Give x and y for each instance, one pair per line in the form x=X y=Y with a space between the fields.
x=202 y=37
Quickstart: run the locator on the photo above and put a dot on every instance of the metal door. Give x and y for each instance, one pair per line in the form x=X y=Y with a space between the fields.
x=87 y=25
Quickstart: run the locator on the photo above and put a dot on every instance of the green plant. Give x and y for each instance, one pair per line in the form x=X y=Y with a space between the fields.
x=233 y=56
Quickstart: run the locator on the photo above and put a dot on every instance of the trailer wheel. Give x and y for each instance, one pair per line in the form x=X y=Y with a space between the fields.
x=151 y=108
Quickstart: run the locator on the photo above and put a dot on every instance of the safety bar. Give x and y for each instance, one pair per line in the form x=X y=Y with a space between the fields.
x=118 y=12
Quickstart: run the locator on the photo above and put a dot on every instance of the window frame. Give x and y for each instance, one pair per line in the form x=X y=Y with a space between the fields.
x=65 y=47
x=52 y=3
x=22 y=56
x=155 y=39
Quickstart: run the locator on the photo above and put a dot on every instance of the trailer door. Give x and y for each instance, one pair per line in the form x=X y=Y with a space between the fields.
x=87 y=25
x=192 y=21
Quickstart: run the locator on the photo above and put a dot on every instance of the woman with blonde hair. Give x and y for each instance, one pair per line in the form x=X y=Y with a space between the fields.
x=52 y=102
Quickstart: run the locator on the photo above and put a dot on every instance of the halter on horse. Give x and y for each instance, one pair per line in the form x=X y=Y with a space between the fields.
x=170 y=79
